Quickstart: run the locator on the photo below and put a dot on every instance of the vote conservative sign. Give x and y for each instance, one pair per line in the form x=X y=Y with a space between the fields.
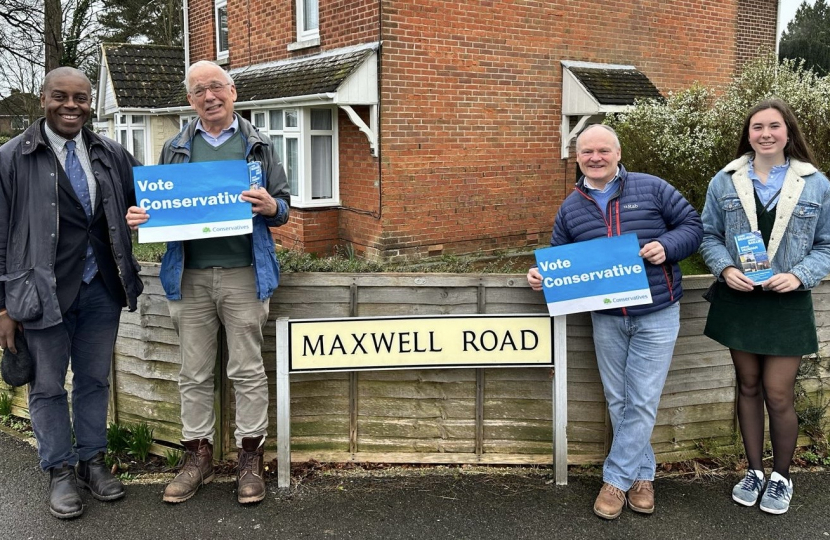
x=188 y=201
x=598 y=274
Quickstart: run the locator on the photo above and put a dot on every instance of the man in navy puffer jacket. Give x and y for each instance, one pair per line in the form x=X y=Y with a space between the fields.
x=634 y=345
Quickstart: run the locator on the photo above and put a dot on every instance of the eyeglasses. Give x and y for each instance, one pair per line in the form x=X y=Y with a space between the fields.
x=216 y=89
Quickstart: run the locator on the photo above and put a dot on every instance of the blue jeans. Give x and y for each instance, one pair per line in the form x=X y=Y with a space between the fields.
x=87 y=337
x=633 y=355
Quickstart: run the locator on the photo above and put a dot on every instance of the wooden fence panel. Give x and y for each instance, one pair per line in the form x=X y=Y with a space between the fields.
x=491 y=415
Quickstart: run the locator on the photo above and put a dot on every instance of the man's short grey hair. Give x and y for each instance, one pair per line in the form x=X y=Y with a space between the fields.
x=609 y=129
x=203 y=63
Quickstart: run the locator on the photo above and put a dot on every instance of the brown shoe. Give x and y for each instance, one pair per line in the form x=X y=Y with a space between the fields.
x=610 y=502
x=250 y=484
x=641 y=497
x=197 y=469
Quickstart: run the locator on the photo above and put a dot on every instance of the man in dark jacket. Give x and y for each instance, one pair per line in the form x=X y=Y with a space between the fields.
x=634 y=345
x=228 y=282
x=66 y=272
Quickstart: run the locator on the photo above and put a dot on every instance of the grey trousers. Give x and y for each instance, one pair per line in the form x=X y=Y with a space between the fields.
x=211 y=297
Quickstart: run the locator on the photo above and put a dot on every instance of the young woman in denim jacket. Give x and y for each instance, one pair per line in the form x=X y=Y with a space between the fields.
x=772 y=187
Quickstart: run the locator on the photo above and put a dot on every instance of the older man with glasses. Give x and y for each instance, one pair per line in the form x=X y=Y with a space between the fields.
x=222 y=282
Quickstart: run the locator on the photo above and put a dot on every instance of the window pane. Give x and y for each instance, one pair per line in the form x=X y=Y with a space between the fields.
x=291 y=118
x=138 y=145
x=138 y=119
x=276 y=120
x=277 y=141
x=222 y=28
x=292 y=164
x=122 y=137
x=259 y=120
x=310 y=12
x=321 y=167
x=321 y=119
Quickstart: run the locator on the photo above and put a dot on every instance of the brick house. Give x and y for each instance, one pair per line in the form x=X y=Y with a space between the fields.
x=17 y=111
x=418 y=128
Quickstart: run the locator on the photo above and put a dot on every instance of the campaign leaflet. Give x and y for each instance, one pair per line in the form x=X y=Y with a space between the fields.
x=188 y=201
x=753 y=255
x=598 y=274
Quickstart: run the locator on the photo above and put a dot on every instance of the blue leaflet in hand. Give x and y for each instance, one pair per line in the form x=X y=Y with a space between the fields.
x=753 y=254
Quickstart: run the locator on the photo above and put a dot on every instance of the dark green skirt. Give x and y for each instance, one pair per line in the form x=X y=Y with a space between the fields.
x=762 y=322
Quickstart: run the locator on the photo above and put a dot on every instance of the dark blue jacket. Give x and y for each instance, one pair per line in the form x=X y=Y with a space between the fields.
x=645 y=205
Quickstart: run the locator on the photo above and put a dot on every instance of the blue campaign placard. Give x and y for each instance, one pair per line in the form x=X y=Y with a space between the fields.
x=188 y=201
x=598 y=274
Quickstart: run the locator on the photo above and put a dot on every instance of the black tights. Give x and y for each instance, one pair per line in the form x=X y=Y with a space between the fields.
x=771 y=380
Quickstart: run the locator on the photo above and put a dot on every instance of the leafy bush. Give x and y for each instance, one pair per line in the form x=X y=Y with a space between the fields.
x=345 y=261
x=5 y=404
x=141 y=439
x=118 y=438
x=172 y=457
x=688 y=137
x=149 y=252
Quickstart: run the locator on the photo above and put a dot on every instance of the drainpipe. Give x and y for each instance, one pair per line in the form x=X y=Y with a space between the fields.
x=778 y=24
x=185 y=35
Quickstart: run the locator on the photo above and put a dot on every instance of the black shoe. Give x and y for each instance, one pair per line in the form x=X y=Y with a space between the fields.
x=94 y=475
x=64 y=501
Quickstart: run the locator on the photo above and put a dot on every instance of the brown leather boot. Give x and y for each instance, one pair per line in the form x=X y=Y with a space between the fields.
x=197 y=469
x=610 y=502
x=250 y=484
x=641 y=497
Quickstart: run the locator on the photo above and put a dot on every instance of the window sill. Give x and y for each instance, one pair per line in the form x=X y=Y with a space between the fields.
x=223 y=60
x=298 y=45
x=328 y=204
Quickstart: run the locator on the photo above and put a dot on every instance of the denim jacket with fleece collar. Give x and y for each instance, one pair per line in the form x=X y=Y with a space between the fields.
x=266 y=267
x=800 y=238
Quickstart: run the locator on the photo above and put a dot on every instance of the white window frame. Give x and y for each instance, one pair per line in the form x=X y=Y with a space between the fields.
x=302 y=133
x=19 y=123
x=302 y=33
x=127 y=124
x=218 y=5
x=185 y=119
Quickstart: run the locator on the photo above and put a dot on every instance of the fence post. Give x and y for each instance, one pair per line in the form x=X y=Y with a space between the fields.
x=560 y=399
x=283 y=406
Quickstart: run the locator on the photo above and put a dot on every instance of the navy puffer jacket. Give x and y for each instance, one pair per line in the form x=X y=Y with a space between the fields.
x=645 y=205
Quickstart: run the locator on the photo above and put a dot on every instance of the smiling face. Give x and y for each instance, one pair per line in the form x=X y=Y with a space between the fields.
x=65 y=99
x=598 y=154
x=215 y=108
x=767 y=134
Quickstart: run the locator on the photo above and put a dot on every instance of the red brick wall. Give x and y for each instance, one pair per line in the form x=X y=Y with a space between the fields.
x=202 y=33
x=260 y=31
x=470 y=105
x=360 y=185
x=471 y=113
x=310 y=231
x=756 y=27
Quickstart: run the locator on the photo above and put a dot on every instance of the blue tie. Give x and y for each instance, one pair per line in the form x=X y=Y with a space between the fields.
x=77 y=177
